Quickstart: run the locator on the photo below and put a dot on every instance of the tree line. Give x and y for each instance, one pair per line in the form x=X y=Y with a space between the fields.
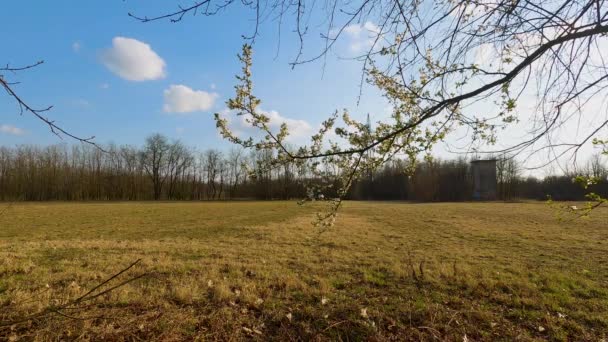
x=159 y=170
x=437 y=180
x=169 y=170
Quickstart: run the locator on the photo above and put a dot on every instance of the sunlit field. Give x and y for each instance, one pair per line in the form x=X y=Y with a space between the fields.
x=262 y=271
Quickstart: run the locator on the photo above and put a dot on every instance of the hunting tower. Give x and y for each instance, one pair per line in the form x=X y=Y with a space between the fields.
x=484 y=179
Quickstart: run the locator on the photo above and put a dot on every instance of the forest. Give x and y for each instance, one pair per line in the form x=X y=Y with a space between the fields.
x=168 y=170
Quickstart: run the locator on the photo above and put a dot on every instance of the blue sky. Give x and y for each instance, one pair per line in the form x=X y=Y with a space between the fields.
x=111 y=76
x=77 y=41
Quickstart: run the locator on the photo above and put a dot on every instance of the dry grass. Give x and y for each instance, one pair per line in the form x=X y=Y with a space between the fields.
x=259 y=270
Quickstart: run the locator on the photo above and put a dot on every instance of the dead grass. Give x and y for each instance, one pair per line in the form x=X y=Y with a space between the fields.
x=259 y=270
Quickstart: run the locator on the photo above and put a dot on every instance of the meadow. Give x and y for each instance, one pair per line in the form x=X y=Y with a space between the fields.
x=262 y=271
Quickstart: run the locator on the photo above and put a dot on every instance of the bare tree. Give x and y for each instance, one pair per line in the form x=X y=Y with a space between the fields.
x=39 y=113
x=179 y=158
x=212 y=166
x=597 y=167
x=133 y=170
x=235 y=161
x=508 y=172
x=223 y=172
x=154 y=158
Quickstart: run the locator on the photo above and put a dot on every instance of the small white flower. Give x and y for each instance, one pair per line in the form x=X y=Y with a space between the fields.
x=289 y=316
x=324 y=301
x=364 y=312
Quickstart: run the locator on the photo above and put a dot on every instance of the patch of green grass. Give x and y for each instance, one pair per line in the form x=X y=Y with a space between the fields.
x=260 y=270
x=378 y=277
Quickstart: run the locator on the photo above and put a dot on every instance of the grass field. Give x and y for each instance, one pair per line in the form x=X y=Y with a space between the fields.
x=260 y=270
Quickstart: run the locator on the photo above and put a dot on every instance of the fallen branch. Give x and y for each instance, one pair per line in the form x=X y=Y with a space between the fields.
x=74 y=304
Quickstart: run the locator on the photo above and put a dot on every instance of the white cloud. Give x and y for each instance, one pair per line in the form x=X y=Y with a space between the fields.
x=299 y=130
x=473 y=9
x=361 y=36
x=489 y=55
x=76 y=46
x=12 y=130
x=485 y=55
x=182 y=99
x=133 y=60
